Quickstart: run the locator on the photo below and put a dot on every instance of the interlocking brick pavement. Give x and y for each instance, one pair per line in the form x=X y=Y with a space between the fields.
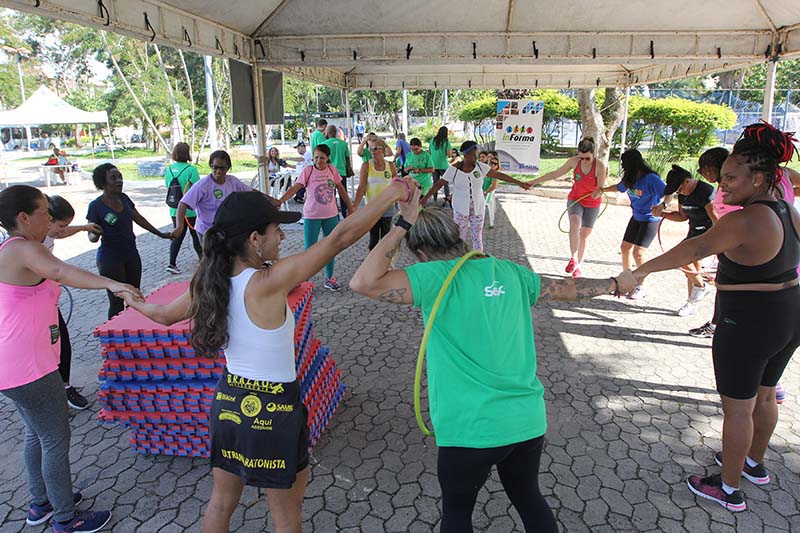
x=631 y=404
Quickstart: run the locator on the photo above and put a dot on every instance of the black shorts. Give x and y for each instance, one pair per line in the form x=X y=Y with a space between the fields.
x=259 y=431
x=755 y=338
x=695 y=231
x=640 y=233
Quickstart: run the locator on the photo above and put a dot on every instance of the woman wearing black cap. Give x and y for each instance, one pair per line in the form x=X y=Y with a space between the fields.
x=238 y=303
x=695 y=204
x=466 y=178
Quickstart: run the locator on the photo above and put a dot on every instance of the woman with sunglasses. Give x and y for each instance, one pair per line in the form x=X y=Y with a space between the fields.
x=375 y=175
x=207 y=195
x=583 y=202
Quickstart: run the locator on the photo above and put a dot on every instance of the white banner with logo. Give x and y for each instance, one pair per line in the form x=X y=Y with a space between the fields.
x=518 y=135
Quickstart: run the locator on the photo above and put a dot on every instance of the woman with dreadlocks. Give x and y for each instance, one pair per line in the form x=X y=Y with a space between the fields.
x=759 y=300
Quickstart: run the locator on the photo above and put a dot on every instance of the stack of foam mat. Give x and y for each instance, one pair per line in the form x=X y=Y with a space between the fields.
x=153 y=382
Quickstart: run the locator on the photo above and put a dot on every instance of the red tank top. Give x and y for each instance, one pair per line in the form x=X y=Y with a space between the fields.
x=585 y=184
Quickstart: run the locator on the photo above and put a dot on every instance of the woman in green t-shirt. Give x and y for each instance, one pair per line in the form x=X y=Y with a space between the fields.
x=187 y=175
x=440 y=153
x=486 y=403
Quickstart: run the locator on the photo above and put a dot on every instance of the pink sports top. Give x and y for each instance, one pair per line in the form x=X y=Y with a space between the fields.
x=29 y=339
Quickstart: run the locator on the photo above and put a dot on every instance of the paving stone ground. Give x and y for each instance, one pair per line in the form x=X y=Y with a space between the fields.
x=631 y=405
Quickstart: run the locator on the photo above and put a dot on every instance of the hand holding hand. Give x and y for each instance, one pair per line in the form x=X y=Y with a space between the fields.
x=120 y=289
x=626 y=281
x=527 y=186
x=597 y=193
x=640 y=274
x=656 y=210
x=91 y=227
x=409 y=208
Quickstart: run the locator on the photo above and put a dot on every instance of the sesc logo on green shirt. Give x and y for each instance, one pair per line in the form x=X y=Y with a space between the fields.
x=111 y=218
x=218 y=194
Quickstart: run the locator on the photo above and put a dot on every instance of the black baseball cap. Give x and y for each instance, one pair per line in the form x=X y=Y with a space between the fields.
x=468 y=146
x=299 y=144
x=241 y=212
x=675 y=177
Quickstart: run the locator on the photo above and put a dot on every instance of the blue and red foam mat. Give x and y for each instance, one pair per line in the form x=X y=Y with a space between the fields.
x=153 y=383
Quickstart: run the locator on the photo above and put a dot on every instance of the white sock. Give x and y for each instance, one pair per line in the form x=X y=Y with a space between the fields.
x=67 y=385
x=728 y=489
x=750 y=462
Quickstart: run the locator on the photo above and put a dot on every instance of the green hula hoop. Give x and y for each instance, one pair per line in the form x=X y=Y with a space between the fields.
x=424 y=344
x=561 y=218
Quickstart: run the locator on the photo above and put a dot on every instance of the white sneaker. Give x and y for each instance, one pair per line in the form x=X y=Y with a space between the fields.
x=688 y=309
x=636 y=294
x=698 y=293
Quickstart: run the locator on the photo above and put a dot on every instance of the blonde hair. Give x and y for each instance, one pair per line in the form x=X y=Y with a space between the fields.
x=436 y=233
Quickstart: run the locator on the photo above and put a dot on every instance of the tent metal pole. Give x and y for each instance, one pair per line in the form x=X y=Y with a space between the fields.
x=405 y=112
x=261 y=140
x=212 y=109
x=769 y=91
x=348 y=127
x=625 y=119
x=111 y=138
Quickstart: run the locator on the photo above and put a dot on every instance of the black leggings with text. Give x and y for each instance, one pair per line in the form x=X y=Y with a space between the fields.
x=463 y=471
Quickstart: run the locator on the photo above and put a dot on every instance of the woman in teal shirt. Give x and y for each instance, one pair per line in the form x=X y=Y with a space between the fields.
x=440 y=153
x=187 y=175
x=486 y=403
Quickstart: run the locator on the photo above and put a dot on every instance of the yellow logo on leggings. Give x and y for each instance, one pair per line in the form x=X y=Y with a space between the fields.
x=251 y=405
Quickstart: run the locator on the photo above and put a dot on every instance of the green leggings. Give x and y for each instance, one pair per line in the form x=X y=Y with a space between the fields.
x=311 y=227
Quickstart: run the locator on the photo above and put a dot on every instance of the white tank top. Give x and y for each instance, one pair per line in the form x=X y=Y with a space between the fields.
x=253 y=352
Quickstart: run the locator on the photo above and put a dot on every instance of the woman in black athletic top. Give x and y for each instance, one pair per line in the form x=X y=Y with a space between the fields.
x=759 y=299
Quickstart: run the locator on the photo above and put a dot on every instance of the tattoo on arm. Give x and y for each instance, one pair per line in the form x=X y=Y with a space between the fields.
x=391 y=253
x=393 y=296
x=589 y=288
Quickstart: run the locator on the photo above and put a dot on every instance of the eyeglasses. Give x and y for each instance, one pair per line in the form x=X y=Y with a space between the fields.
x=375 y=148
x=215 y=168
x=587 y=158
x=495 y=162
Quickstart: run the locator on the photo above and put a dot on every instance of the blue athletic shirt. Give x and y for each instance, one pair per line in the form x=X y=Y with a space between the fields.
x=118 y=243
x=646 y=192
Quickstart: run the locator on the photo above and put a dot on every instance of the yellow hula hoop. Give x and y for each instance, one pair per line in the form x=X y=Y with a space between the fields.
x=561 y=218
x=423 y=345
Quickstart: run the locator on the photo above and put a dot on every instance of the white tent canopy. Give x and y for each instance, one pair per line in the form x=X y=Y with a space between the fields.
x=460 y=43
x=45 y=107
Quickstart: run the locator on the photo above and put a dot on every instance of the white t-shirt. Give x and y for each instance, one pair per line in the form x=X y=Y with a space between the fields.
x=467 y=187
x=307 y=160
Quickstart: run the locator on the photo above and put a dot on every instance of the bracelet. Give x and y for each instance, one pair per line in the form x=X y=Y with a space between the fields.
x=408 y=189
x=616 y=292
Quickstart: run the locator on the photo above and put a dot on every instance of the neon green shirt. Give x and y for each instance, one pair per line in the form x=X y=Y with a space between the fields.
x=316 y=138
x=190 y=174
x=423 y=160
x=482 y=384
x=339 y=153
x=441 y=155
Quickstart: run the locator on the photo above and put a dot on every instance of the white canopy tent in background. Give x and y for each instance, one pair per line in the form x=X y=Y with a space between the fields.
x=45 y=107
x=352 y=44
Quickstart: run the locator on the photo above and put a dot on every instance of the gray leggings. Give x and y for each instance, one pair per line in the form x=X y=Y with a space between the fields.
x=42 y=405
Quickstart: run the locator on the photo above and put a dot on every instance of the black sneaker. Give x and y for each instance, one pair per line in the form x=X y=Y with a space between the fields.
x=75 y=400
x=706 y=331
x=710 y=488
x=172 y=269
x=754 y=474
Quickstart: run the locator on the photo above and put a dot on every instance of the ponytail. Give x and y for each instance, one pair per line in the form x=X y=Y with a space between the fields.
x=210 y=289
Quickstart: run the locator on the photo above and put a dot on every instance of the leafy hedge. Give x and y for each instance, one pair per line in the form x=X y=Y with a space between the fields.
x=682 y=127
x=478 y=110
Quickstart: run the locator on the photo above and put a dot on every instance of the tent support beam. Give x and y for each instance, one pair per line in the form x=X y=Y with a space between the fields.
x=769 y=91
x=625 y=119
x=261 y=141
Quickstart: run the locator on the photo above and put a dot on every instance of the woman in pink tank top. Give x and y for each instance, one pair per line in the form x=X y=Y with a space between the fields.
x=29 y=354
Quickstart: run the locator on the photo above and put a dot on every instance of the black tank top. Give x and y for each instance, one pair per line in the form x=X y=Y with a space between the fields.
x=779 y=269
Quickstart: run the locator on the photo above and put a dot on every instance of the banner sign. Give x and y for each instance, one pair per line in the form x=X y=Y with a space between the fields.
x=518 y=135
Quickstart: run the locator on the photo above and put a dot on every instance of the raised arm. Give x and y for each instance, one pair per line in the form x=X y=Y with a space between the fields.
x=557 y=173
x=38 y=260
x=285 y=274
x=583 y=288
x=728 y=233
x=166 y=314
x=69 y=231
x=375 y=278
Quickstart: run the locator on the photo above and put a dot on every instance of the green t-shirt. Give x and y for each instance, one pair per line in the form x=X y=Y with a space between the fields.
x=340 y=151
x=366 y=155
x=316 y=138
x=487 y=182
x=423 y=160
x=440 y=156
x=482 y=384
x=185 y=172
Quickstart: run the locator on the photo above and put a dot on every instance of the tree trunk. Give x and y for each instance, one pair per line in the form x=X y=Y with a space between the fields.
x=191 y=95
x=601 y=124
x=176 y=108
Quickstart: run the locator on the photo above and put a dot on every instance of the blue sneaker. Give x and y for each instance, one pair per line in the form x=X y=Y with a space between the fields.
x=780 y=394
x=39 y=514
x=84 y=522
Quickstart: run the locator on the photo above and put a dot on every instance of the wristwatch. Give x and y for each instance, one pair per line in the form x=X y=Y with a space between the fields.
x=403 y=223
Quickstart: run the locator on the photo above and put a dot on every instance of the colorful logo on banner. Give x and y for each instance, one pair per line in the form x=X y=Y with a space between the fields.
x=518 y=129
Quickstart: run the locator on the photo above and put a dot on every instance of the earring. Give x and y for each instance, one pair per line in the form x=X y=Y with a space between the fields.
x=258 y=252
